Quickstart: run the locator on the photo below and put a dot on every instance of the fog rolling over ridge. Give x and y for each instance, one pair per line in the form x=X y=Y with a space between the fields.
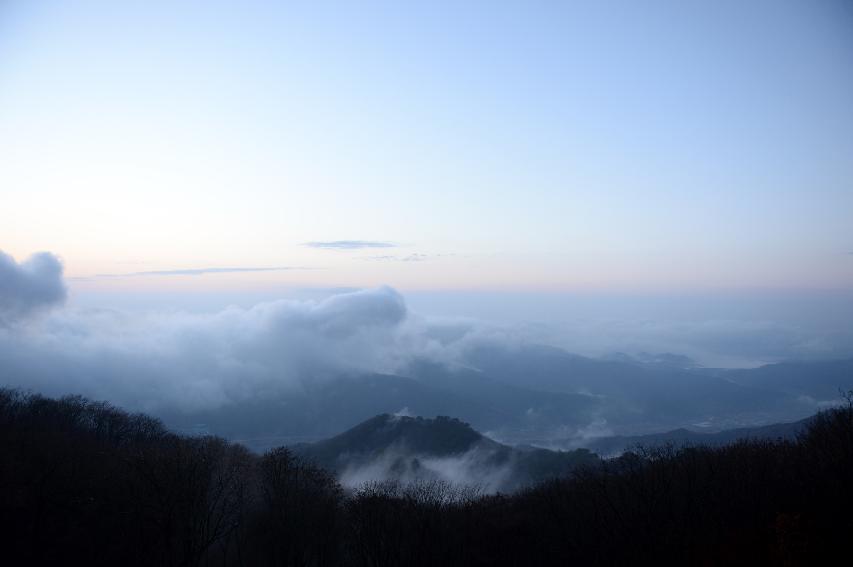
x=405 y=449
x=285 y=371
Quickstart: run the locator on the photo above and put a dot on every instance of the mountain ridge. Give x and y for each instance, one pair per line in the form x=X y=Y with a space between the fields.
x=404 y=448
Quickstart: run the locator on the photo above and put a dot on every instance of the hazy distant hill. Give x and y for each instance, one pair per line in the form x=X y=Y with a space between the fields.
x=526 y=410
x=390 y=447
x=535 y=393
x=609 y=446
x=818 y=380
x=327 y=407
x=644 y=396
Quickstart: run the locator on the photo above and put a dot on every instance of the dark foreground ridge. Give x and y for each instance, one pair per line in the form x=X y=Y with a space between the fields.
x=83 y=483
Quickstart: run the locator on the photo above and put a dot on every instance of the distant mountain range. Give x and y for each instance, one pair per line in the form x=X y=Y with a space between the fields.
x=403 y=448
x=536 y=394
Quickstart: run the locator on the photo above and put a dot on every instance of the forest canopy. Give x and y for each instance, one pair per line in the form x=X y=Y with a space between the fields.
x=85 y=482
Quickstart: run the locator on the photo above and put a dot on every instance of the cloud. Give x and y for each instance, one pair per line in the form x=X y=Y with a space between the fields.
x=30 y=286
x=160 y=361
x=416 y=257
x=203 y=361
x=153 y=360
x=349 y=244
x=385 y=258
x=197 y=271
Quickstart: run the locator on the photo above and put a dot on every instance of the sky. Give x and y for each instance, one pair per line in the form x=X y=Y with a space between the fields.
x=618 y=147
x=205 y=204
x=600 y=176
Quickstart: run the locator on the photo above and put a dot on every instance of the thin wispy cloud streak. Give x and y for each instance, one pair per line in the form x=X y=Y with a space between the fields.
x=390 y=258
x=197 y=271
x=349 y=244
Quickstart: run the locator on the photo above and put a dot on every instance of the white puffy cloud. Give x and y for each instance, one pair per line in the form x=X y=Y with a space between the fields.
x=203 y=361
x=29 y=286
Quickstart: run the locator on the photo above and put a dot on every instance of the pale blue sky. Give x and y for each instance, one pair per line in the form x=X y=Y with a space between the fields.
x=561 y=146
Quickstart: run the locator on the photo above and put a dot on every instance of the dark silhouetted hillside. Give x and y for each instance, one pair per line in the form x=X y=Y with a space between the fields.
x=83 y=483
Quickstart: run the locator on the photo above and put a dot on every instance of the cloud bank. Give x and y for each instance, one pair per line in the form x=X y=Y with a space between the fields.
x=204 y=361
x=191 y=361
x=155 y=360
x=28 y=287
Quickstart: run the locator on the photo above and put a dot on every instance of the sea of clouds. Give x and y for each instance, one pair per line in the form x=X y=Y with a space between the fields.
x=159 y=359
